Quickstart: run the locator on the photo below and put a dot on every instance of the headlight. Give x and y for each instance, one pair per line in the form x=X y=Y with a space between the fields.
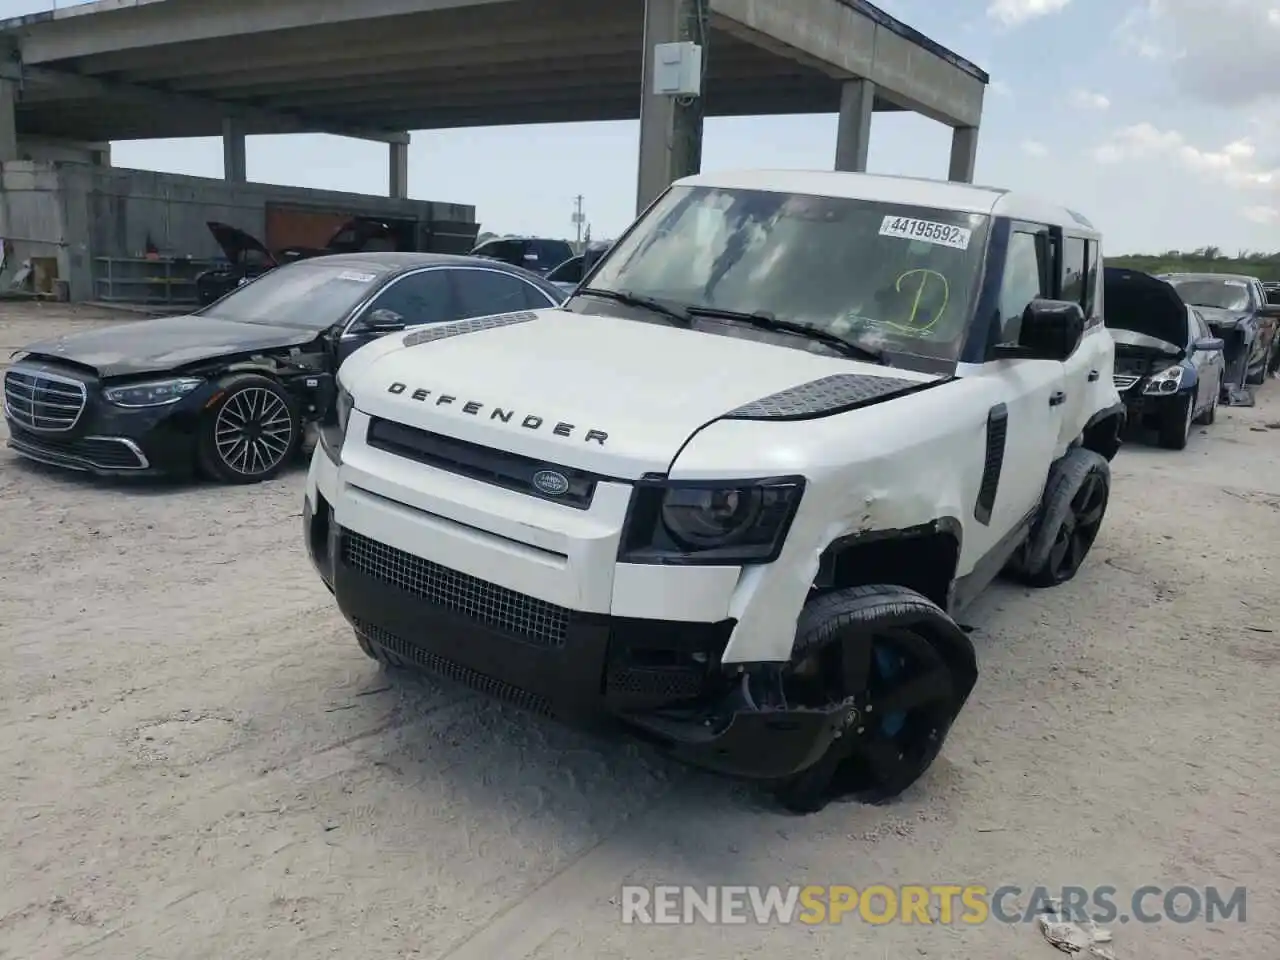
x=1166 y=381
x=712 y=522
x=342 y=407
x=333 y=430
x=156 y=393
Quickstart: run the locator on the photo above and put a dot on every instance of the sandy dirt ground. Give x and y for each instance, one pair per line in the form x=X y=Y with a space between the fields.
x=197 y=761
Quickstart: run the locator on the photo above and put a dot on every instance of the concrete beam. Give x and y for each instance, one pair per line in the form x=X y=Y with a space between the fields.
x=853 y=130
x=964 y=154
x=76 y=86
x=398 y=174
x=72 y=33
x=848 y=41
x=234 y=164
x=314 y=51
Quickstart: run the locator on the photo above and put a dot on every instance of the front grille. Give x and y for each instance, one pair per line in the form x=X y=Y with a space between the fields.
x=43 y=401
x=520 y=616
x=536 y=478
x=452 y=671
x=107 y=453
x=1124 y=381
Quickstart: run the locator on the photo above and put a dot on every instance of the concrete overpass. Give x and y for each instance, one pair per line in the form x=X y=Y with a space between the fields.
x=138 y=69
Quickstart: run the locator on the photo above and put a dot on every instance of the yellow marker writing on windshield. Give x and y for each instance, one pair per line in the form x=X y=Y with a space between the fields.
x=919 y=295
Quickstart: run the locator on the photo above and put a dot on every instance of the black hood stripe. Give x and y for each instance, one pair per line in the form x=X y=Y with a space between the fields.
x=830 y=395
x=443 y=331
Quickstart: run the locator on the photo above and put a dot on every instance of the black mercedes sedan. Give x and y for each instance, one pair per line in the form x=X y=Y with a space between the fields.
x=228 y=391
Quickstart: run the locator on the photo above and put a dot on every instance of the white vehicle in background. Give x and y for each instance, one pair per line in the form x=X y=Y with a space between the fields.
x=733 y=492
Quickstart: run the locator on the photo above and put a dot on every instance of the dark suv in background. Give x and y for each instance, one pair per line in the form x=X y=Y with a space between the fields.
x=533 y=253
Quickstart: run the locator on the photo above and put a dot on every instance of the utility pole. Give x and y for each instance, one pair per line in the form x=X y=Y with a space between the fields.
x=579 y=218
x=689 y=111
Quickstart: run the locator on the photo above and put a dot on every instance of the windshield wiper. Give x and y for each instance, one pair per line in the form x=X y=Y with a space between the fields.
x=636 y=300
x=767 y=321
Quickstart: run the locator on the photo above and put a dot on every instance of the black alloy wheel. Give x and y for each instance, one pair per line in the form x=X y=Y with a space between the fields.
x=875 y=657
x=250 y=433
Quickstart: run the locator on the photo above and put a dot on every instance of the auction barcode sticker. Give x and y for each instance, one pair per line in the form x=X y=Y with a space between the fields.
x=909 y=228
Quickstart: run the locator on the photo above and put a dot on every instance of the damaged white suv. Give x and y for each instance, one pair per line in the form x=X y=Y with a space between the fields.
x=734 y=491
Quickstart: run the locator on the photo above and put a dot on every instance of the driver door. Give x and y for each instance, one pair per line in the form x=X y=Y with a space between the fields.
x=1033 y=392
x=407 y=301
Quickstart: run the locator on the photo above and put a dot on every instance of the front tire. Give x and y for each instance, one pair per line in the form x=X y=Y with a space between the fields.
x=1175 y=424
x=250 y=433
x=901 y=667
x=1075 y=503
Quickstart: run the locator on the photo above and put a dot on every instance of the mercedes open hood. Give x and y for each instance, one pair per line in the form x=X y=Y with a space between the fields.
x=164 y=344
x=617 y=397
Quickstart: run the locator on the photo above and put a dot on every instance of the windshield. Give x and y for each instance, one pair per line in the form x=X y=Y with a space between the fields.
x=310 y=295
x=1207 y=292
x=885 y=276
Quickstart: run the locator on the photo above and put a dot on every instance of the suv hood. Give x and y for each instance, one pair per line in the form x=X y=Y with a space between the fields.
x=165 y=344
x=613 y=396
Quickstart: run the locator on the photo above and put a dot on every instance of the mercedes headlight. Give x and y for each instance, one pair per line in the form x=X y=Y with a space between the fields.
x=155 y=393
x=711 y=522
x=1166 y=381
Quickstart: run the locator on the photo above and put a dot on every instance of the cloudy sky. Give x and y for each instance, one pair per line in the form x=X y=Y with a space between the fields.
x=1159 y=119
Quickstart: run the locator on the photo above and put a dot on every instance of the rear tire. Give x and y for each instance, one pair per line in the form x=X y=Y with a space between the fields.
x=904 y=670
x=250 y=433
x=1075 y=504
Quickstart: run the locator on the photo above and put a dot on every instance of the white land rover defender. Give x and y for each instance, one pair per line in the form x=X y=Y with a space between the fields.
x=733 y=492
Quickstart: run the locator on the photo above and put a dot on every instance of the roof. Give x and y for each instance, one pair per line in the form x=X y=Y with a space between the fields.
x=1210 y=275
x=379 y=261
x=140 y=69
x=913 y=191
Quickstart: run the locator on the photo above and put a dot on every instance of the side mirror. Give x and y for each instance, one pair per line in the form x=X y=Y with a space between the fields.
x=1051 y=330
x=385 y=321
x=1269 y=310
x=1210 y=344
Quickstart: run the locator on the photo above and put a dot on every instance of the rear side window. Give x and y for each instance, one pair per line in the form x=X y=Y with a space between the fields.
x=550 y=253
x=509 y=251
x=1091 y=312
x=1074 y=270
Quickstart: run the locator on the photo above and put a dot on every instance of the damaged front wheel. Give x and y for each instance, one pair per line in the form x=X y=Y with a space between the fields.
x=902 y=669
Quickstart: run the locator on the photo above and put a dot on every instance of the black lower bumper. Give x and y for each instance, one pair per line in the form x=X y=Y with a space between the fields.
x=660 y=679
x=129 y=443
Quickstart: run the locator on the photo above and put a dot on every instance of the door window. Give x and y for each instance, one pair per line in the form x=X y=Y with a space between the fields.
x=1199 y=329
x=1091 y=314
x=419 y=297
x=482 y=293
x=1025 y=274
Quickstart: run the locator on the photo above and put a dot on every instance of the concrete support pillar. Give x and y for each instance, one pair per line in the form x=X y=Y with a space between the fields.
x=233 y=154
x=670 y=131
x=398 y=173
x=853 y=133
x=102 y=156
x=8 y=121
x=964 y=154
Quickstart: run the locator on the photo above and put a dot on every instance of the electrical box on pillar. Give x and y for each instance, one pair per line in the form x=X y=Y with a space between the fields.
x=677 y=69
